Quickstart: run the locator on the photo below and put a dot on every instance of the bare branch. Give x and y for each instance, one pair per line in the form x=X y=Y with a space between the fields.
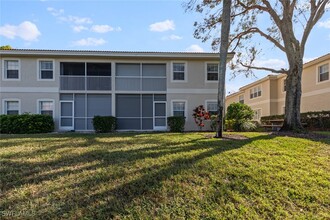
x=264 y=68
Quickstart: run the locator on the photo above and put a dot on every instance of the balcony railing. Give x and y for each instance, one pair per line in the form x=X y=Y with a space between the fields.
x=85 y=82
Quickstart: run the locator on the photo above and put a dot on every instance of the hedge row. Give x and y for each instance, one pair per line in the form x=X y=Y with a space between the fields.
x=313 y=120
x=26 y=124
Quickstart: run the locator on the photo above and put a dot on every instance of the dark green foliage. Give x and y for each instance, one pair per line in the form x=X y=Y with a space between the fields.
x=239 y=114
x=311 y=120
x=176 y=123
x=103 y=124
x=26 y=124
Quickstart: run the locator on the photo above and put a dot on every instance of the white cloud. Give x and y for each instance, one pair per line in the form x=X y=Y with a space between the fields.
x=325 y=24
x=79 y=28
x=172 y=37
x=194 y=48
x=89 y=42
x=162 y=26
x=270 y=63
x=76 y=19
x=55 y=12
x=101 y=28
x=27 y=30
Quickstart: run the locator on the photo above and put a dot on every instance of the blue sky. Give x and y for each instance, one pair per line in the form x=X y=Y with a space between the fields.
x=125 y=26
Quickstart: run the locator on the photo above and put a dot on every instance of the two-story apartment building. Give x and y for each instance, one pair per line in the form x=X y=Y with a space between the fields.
x=267 y=95
x=141 y=89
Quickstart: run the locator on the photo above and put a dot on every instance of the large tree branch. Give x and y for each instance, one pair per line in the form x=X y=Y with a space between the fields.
x=317 y=10
x=264 y=68
x=263 y=34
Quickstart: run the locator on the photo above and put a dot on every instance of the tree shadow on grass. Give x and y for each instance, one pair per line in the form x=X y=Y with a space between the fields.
x=111 y=202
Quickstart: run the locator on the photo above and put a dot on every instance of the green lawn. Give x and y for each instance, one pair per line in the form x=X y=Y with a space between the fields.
x=163 y=176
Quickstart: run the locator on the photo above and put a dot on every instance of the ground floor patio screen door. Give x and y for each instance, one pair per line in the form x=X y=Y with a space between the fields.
x=160 y=116
x=66 y=111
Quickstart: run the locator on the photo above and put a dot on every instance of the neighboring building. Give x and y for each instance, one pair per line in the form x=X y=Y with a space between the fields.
x=267 y=95
x=141 y=89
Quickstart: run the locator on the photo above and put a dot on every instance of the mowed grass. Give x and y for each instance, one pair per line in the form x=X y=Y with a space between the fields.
x=163 y=176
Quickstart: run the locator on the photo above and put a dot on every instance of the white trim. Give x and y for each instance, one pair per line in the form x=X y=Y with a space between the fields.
x=158 y=128
x=185 y=73
x=45 y=100
x=318 y=74
x=192 y=91
x=38 y=70
x=4 y=78
x=4 y=105
x=30 y=89
x=252 y=88
x=205 y=74
x=185 y=107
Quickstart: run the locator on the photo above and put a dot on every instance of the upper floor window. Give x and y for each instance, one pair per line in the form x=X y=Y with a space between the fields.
x=323 y=72
x=11 y=107
x=46 y=107
x=255 y=92
x=46 y=71
x=212 y=72
x=241 y=99
x=179 y=108
x=178 y=72
x=212 y=107
x=11 y=69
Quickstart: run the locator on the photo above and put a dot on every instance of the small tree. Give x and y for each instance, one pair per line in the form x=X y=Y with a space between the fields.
x=240 y=113
x=200 y=115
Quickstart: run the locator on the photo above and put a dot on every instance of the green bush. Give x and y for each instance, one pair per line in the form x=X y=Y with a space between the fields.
x=229 y=124
x=26 y=124
x=239 y=114
x=176 y=123
x=213 y=124
x=104 y=124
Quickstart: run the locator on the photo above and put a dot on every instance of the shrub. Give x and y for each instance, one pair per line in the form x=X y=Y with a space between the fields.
x=229 y=124
x=213 y=124
x=26 y=124
x=248 y=126
x=176 y=123
x=239 y=114
x=104 y=124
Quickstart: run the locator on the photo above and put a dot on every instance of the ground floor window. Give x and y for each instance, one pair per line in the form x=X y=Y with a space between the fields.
x=46 y=107
x=179 y=108
x=212 y=107
x=257 y=114
x=11 y=107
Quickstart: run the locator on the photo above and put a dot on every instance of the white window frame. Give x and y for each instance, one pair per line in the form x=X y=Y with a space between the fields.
x=211 y=81
x=258 y=96
x=4 y=105
x=185 y=106
x=185 y=72
x=39 y=70
x=239 y=100
x=4 y=73
x=254 y=110
x=208 y=101
x=45 y=100
x=318 y=73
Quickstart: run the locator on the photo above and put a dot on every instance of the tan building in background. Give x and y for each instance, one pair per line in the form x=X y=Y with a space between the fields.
x=267 y=95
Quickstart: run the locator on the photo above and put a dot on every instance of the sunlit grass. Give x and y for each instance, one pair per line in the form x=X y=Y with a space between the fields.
x=163 y=175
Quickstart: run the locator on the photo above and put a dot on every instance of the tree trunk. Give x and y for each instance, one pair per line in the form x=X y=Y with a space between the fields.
x=293 y=97
x=225 y=29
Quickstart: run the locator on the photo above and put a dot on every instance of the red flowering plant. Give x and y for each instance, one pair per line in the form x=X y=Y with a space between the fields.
x=200 y=115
